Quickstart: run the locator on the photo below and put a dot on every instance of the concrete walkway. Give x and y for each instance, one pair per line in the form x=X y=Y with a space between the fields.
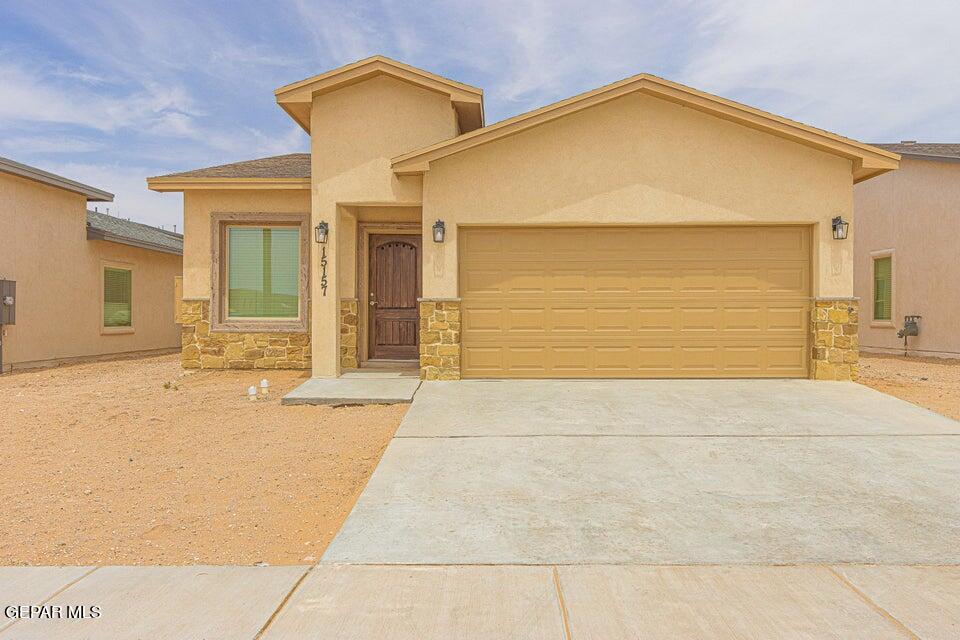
x=660 y=472
x=609 y=602
x=364 y=386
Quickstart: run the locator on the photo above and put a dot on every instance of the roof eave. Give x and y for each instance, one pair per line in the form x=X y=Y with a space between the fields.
x=51 y=179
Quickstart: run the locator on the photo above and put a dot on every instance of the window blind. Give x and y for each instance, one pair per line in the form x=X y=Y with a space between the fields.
x=117 y=294
x=263 y=272
x=882 y=288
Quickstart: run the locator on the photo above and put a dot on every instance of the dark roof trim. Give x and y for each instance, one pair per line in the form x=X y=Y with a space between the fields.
x=39 y=175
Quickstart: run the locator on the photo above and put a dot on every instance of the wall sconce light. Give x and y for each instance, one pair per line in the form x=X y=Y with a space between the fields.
x=840 y=228
x=322 y=230
x=439 y=231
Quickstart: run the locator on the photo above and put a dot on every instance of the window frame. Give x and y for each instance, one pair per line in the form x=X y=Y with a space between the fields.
x=124 y=266
x=219 y=280
x=874 y=256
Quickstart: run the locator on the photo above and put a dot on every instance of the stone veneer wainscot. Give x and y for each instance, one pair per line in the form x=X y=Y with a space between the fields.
x=836 y=343
x=440 y=339
x=205 y=349
x=349 y=324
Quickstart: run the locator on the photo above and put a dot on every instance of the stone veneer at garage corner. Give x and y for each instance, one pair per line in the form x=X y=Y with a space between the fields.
x=205 y=349
x=836 y=343
x=349 y=324
x=439 y=338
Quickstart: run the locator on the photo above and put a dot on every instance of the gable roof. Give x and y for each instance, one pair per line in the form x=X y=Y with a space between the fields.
x=101 y=226
x=939 y=151
x=297 y=98
x=868 y=161
x=45 y=177
x=290 y=171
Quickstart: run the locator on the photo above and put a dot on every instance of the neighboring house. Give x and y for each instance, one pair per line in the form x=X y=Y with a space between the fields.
x=643 y=229
x=908 y=252
x=87 y=284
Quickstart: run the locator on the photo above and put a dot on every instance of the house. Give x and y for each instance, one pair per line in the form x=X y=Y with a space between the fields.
x=908 y=252
x=87 y=284
x=642 y=229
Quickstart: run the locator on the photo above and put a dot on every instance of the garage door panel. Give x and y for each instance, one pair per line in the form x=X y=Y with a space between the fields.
x=572 y=360
x=480 y=281
x=568 y=319
x=635 y=302
x=480 y=320
x=482 y=359
x=787 y=279
x=713 y=319
x=699 y=319
x=790 y=359
x=569 y=282
x=525 y=320
x=787 y=319
x=656 y=318
x=743 y=359
x=640 y=279
x=608 y=320
x=617 y=361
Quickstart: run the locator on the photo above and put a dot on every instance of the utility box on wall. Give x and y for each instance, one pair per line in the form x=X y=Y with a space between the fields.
x=8 y=302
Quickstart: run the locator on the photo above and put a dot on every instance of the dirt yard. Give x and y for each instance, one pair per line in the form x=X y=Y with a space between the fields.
x=929 y=382
x=140 y=462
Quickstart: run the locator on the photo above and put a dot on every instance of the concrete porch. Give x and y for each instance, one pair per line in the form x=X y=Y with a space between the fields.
x=374 y=383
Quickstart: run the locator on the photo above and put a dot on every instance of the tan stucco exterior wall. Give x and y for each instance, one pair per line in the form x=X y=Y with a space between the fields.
x=44 y=247
x=915 y=213
x=640 y=160
x=197 y=207
x=356 y=131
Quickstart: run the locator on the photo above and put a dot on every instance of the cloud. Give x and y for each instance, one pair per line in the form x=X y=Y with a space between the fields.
x=34 y=94
x=132 y=198
x=36 y=144
x=872 y=70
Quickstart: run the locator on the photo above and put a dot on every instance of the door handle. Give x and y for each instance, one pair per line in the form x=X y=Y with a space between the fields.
x=373 y=303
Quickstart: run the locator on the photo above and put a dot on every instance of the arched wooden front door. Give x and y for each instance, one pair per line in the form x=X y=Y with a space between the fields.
x=394 y=289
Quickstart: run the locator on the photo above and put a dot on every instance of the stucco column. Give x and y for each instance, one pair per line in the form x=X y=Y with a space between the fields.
x=325 y=302
x=439 y=275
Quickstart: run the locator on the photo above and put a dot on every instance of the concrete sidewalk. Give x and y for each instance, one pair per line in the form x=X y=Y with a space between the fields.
x=352 y=602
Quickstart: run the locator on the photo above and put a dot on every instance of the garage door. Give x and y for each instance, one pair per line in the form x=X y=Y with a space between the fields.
x=635 y=302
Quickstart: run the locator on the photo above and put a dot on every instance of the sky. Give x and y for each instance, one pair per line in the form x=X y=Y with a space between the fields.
x=109 y=93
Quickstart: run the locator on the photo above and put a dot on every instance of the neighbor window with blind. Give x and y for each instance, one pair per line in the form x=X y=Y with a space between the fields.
x=882 y=287
x=117 y=297
x=263 y=272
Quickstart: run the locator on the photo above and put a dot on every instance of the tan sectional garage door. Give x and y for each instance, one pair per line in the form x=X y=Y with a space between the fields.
x=635 y=302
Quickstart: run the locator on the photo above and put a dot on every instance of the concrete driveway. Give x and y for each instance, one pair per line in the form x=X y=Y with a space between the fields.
x=660 y=472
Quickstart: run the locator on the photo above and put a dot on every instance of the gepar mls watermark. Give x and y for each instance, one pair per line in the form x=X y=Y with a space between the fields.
x=51 y=611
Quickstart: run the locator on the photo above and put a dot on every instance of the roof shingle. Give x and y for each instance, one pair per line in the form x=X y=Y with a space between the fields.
x=929 y=149
x=101 y=226
x=291 y=165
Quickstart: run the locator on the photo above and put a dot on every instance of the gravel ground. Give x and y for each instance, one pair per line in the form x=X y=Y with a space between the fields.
x=141 y=462
x=929 y=382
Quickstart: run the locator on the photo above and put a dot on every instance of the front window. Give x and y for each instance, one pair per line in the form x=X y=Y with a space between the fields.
x=117 y=297
x=263 y=272
x=882 y=288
